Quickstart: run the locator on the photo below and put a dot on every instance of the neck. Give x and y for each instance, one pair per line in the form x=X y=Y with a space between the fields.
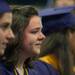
x=22 y=57
x=19 y=66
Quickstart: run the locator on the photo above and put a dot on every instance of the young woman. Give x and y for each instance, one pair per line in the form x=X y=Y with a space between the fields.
x=59 y=46
x=27 y=28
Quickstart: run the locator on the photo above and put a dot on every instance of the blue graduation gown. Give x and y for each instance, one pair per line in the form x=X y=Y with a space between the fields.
x=44 y=68
x=39 y=68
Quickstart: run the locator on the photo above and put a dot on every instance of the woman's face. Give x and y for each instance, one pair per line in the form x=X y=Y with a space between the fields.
x=33 y=36
x=5 y=31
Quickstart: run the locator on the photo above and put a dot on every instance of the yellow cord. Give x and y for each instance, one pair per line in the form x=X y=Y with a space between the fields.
x=26 y=71
x=15 y=71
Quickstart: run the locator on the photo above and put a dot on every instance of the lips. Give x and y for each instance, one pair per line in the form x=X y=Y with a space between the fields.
x=38 y=43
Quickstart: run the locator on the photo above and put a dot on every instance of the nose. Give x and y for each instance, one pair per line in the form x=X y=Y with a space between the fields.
x=10 y=34
x=42 y=36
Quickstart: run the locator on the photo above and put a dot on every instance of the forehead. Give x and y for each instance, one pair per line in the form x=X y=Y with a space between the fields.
x=6 y=17
x=35 y=22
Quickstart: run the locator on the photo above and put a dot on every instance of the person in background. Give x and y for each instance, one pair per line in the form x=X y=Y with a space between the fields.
x=59 y=46
x=62 y=3
x=6 y=33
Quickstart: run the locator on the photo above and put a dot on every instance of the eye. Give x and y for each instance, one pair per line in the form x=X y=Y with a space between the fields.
x=34 y=31
x=4 y=26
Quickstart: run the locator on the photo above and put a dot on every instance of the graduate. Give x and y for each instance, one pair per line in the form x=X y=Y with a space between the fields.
x=59 y=28
x=6 y=33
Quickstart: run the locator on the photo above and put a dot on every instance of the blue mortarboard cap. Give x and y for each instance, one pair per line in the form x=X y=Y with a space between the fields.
x=56 y=10
x=4 y=7
x=57 y=19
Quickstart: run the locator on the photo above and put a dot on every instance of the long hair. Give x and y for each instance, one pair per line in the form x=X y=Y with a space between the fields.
x=21 y=19
x=56 y=43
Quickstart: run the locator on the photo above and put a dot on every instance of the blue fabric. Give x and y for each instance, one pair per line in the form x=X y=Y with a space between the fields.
x=56 y=19
x=57 y=23
x=4 y=70
x=56 y=10
x=39 y=68
x=4 y=7
x=44 y=68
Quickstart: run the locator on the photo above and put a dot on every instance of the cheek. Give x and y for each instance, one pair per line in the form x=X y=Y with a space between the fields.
x=2 y=35
x=72 y=42
x=27 y=41
x=72 y=47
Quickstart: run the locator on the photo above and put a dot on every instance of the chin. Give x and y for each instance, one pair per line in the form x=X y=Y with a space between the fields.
x=37 y=52
x=1 y=52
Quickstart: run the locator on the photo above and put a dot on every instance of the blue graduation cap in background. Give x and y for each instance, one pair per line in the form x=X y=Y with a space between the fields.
x=56 y=19
x=4 y=7
x=56 y=10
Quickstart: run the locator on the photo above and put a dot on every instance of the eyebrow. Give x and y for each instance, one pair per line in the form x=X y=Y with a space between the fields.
x=38 y=28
